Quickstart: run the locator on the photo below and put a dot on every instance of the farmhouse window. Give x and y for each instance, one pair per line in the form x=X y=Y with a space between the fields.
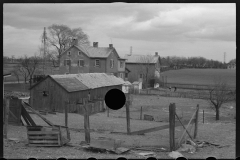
x=121 y=75
x=126 y=75
x=69 y=53
x=97 y=63
x=67 y=62
x=121 y=64
x=81 y=63
x=79 y=53
x=140 y=75
x=111 y=63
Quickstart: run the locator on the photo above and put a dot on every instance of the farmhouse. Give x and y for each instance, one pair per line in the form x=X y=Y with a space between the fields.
x=53 y=91
x=91 y=59
x=142 y=66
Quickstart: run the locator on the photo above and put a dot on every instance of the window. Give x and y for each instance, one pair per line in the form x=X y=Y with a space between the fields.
x=121 y=64
x=140 y=75
x=68 y=53
x=81 y=63
x=67 y=62
x=126 y=75
x=97 y=63
x=79 y=53
x=121 y=75
x=111 y=63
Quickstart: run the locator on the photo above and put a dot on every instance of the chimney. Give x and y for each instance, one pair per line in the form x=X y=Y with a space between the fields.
x=75 y=41
x=95 y=44
x=110 y=45
x=156 y=53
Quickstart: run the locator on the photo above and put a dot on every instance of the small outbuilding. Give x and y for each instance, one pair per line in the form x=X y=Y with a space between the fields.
x=53 y=91
x=137 y=86
x=126 y=87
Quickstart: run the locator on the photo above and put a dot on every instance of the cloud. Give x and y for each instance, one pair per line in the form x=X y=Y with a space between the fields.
x=20 y=41
x=122 y=22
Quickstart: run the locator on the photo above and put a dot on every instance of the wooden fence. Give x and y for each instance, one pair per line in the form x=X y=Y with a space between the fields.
x=203 y=94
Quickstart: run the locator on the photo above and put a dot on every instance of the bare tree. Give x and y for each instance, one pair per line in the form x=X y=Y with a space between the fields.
x=28 y=66
x=219 y=94
x=60 y=37
x=16 y=73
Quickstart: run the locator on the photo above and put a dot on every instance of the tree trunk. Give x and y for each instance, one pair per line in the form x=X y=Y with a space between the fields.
x=217 y=114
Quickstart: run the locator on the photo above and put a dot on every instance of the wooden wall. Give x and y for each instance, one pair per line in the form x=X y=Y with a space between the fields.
x=57 y=96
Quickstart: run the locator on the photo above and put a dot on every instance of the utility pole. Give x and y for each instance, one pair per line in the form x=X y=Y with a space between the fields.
x=44 y=49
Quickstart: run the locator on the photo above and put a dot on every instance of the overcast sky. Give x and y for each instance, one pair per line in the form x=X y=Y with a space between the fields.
x=206 y=30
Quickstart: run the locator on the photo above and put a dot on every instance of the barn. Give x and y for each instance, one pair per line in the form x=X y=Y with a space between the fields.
x=53 y=91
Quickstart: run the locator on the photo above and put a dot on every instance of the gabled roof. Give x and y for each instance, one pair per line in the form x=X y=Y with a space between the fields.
x=94 y=52
x=151 y=59
x=85 y=81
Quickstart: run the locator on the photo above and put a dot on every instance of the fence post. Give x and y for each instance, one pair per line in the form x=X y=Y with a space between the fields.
x=172 y=110
x=128 y=114
x=6 y=117
x=141 y=113
x=196 y=123
x=66 y=117
x=203 y=116
x=86 y=124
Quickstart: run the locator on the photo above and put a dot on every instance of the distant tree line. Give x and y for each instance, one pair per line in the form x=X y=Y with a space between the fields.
x=174 y=62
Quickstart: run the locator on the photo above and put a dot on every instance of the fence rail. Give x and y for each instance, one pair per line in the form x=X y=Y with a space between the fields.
x=191 y=86
x=178 y=94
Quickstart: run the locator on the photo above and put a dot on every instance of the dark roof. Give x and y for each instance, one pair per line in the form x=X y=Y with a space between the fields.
x=85 y=81
x=151 y=59
x=94 y=52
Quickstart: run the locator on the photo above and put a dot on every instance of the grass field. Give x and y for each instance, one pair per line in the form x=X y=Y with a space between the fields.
x=200 y=76
x=221 y=132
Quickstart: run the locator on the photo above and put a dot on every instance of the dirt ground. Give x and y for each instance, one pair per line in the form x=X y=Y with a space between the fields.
x=221 y=132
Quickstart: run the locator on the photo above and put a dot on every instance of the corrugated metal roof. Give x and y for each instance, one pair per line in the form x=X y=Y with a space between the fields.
x=141 y=58
x=84 y=81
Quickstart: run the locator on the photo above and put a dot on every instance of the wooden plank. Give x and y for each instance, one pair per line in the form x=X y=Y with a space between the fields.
x=172 y=112
x=42 y=145
x=191 y=120
x=196 y=123
x=128 y=114
x=86 y=124
x=177 y=124
x=29 y=107
x=141 y=113
x=6 y=117
x=13 y=115
x=25 y=113
x=26 y=120
x=42 y=132
x=42 y=137
x=43 y=141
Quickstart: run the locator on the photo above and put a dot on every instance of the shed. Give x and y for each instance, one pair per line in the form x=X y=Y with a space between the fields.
x=137 y=86
x=54 y=90
x=126 y=86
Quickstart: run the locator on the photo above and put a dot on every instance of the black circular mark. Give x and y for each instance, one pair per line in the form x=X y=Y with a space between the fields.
x=181 y=158
x=151 y=158
x=121 y=158
x=211 y=158
x=115 y=99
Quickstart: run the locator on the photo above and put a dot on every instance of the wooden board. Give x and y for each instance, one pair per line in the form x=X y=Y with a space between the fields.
x=159 y=128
